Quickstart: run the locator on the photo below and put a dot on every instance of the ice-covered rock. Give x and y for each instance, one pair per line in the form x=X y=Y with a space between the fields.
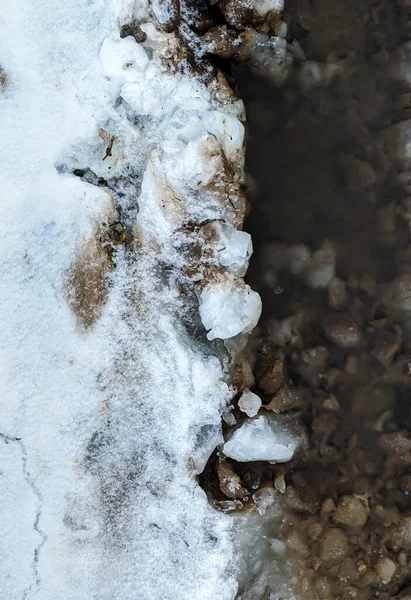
x=234 y=249
x=249 y=403
x=261 y=439
x=227 y=309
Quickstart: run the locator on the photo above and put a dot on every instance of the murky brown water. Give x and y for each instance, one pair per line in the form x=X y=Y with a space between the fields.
x=330 y=223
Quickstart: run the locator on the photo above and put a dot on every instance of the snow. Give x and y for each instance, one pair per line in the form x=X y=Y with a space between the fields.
x=227 y=310
x=262 y=7
x=261 y=439
x=249 y=403
x=105 y=421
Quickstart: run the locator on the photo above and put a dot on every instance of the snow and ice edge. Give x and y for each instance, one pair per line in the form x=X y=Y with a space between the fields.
x=114 y=397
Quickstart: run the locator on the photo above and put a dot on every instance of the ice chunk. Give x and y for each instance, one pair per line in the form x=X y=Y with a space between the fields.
x=235 y=249
x=261 y=439
x=227 y=309
x=249 y=403
x=229 y=132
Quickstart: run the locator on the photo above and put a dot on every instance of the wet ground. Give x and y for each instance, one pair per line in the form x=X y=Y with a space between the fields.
x=329 y=216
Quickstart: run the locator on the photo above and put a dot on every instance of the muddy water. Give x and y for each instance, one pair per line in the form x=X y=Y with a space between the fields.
x=328 y=170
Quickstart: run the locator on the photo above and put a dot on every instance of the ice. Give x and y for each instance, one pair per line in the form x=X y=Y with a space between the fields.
x=235 y=249
x=261 y=439
x=227 y=310
x=249 y=403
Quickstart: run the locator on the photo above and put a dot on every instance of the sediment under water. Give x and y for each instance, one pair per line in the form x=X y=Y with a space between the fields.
x=329 y=216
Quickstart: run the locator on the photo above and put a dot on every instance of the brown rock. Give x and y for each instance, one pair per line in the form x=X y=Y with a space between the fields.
x=273 y=377
x=334 y=547
x=230 y=483
x=285 y=400
x=397 y=445
x=341 y=330
x=351 y=513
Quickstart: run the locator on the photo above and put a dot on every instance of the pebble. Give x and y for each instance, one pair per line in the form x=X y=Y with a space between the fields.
x=322 y=267
x=299 y=258
x=337 y=294
x=285 y=400
x=341 y=330
x=230 y=483
x=386 y=569
x=273 y=377
x=351 y=513
x=327 y=507
x=333 y=546
x=398 y=445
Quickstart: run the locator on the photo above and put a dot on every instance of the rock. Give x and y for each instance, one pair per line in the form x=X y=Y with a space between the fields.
x=386 y=344
x=261 y=439
x=351 y=513
x=386 y=569
x=398 y=294
x=285 y=400
x=322 y=267
x=337 y=294
x=273 y=377
x=359 y=174
x=397 y=445
x=401 y=534
x=313 y=364
x=333 y=547
x=341 y=330
x=348 y=573
x=230 y=482
x=328 y=507
x=299 y=258
x=331 y=403
x=249 y=403
x=279 y=481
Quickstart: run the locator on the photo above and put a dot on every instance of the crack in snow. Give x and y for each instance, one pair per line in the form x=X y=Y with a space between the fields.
x=10 y=439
